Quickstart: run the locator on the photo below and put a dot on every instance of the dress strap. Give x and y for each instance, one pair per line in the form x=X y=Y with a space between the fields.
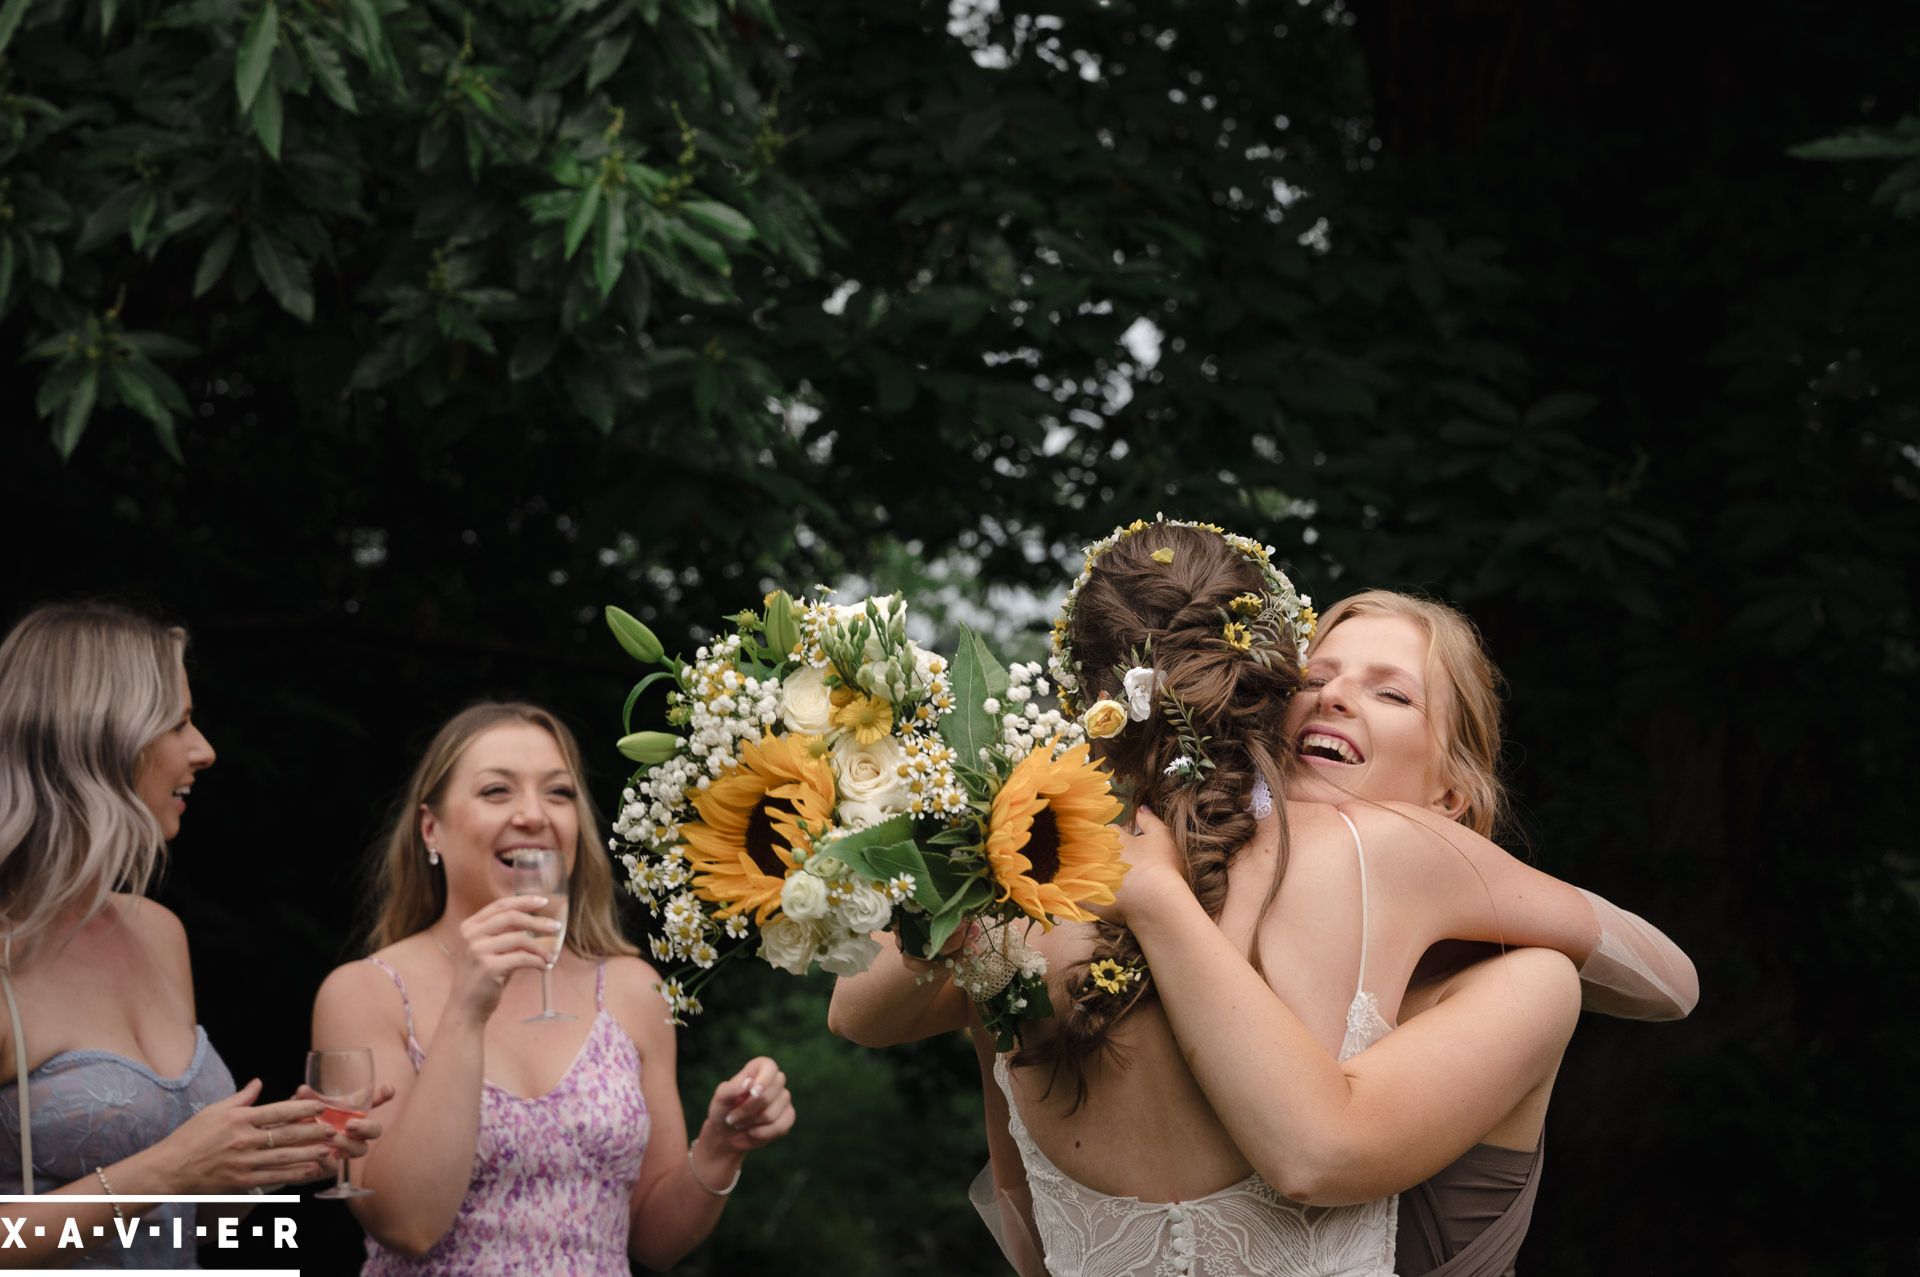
x=600 y=988
x=1360 y=854
x=406 y=1006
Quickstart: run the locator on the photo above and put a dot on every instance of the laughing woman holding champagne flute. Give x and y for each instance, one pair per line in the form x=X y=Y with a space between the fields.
x=538 y=1125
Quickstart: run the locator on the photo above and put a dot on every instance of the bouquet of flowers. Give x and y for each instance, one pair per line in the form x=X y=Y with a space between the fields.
x=826 y=777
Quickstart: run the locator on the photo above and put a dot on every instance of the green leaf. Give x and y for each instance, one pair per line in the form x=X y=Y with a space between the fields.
x=140 y=220
x=267 y=119
x=213 y=262
x=606 y=59
x=904 y=858
x=977 y=676
x=328 y=70
x=633 y=697
x=610 y=246
x=139 y=396
x=10 y=14
x=159 y=345
x=581 y=219
x=256 y=54
x=1858 y=146
x=717 y=217
x=854 y=847
x=6 y=268
x=284 y=275
x=109 y=218
x=532 y=352
x=73 y=423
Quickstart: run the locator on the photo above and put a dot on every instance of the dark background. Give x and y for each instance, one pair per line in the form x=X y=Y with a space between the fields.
x=1549 y=322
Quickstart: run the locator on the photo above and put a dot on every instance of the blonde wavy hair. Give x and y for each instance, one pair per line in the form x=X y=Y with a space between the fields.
x=1456 y=660
x=408 y=895
x=84 y=689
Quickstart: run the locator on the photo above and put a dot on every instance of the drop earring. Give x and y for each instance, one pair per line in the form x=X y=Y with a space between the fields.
x=433 y=855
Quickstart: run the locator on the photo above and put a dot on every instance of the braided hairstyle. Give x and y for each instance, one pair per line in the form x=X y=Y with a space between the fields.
x=1172 y=616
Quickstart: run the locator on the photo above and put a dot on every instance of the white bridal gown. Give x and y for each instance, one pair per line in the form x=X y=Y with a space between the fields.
x=1244 y=1230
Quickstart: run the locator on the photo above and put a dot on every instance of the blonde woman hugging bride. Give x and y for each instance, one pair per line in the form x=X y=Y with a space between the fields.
x=1223 y=1089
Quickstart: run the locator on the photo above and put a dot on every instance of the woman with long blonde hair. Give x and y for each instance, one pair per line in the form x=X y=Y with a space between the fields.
x=1179 y=1115
x=99 y=754
x=519 y=1143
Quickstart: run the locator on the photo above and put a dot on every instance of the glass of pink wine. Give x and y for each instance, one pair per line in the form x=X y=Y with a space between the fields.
x=544 y=873
x=344 y=1082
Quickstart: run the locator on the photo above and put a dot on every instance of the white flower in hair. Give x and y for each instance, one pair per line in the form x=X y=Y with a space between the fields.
x=1140 y=683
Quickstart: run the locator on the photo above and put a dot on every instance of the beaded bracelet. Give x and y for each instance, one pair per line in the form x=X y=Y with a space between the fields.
x=101 y=1173
x=717 y=1192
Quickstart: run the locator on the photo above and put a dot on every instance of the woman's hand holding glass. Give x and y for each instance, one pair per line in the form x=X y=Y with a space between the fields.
x=495 y=942
x=750 y=1110
x=234 y=1145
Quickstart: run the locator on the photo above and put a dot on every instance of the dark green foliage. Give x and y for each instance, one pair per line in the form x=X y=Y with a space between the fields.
x=460 y=337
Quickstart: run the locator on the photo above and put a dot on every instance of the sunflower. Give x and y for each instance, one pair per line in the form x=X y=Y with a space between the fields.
x=1051 y=843
x=741 y=848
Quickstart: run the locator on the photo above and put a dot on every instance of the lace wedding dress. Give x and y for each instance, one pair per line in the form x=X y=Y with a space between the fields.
x=1244 y=1230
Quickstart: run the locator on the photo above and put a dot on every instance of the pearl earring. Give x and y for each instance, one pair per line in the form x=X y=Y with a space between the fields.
x=433 y=855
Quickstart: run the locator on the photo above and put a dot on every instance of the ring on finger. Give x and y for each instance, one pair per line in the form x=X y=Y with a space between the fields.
x=269 y=1137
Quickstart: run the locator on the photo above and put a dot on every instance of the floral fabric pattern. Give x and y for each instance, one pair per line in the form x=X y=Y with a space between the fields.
x=552 y=1176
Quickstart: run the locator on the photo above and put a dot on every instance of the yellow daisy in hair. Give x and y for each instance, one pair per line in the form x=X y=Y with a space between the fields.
x=1051 y=842
x=1110 y=976
x=741 y=848
x=1246 y=604
x=1238 y=636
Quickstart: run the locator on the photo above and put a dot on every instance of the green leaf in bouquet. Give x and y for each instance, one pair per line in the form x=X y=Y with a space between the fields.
x=971 y=895
x=636 y=638
x=633 y=697
x=939 y=929
x=856 y=848
x=905 y=858
x=977 y=677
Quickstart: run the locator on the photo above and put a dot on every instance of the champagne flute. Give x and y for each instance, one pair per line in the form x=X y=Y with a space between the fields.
x=544 y=873
x=344 y=1082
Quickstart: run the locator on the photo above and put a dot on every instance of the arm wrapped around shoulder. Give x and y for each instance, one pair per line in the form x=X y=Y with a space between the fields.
x=1635 y=972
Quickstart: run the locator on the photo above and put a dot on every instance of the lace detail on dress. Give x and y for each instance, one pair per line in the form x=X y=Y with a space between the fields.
x=1244 y=1230
x=1365 y=1025
x=92 y=1108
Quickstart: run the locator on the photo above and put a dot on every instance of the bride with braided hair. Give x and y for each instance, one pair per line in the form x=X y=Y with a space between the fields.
x=1155 y=1121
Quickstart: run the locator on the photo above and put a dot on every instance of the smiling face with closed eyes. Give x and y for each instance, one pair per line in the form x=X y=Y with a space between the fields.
x=1365 y=723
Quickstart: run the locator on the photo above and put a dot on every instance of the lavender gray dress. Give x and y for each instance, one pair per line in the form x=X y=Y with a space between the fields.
x=93 y=1108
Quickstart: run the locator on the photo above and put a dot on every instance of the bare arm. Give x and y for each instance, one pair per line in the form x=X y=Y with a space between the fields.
x=420 y=1170
x=1455 y=884
x=892 y=1001
x=682 y=1191
x=221 y=1149
x=1333 y=1133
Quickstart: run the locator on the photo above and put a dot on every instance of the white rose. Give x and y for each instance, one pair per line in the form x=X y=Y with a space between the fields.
x=868 y=776
x=803 y=897
x=865 y=910
x=787 y=945
x=806 y=706
x=1139 y=683
x=850 y=955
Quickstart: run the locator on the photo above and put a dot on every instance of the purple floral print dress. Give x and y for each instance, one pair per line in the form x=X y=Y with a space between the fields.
x=552 y=1176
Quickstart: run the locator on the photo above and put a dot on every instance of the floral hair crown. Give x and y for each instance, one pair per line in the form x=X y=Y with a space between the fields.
x=1279 y=606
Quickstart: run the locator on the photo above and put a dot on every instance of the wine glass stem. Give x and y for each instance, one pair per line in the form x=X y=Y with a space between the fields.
x=340 y=1172
x=546 y=990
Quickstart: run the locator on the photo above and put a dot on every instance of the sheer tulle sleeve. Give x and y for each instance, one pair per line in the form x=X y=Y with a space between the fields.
x=1635 y=972
x=1007 y=1222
